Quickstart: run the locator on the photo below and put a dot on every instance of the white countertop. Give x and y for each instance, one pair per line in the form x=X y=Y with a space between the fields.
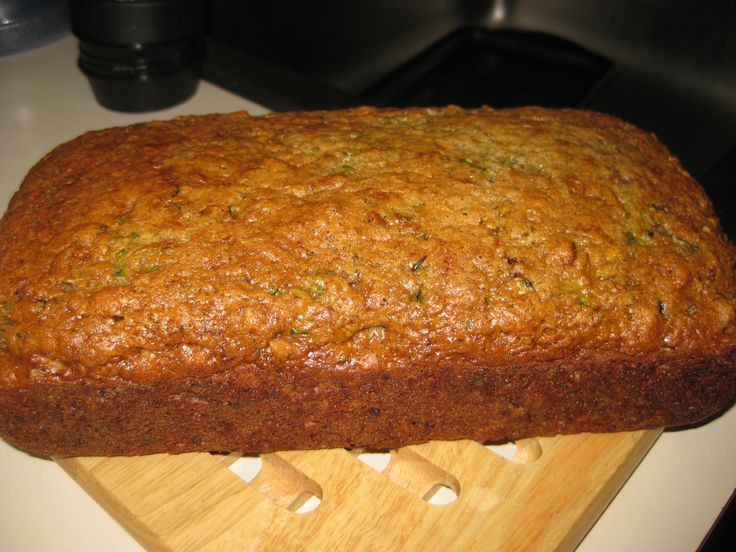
x=669 y=503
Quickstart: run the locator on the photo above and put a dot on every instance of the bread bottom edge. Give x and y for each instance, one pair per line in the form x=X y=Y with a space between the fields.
x=351 y=409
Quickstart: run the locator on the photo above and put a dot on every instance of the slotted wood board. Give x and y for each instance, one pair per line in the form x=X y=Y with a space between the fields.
x=546 y=497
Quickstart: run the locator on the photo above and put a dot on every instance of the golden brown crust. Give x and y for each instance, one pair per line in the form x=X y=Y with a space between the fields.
x=533 y=271
x=297 y=409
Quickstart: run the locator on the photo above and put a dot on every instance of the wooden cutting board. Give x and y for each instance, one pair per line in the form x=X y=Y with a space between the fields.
x=546 y=497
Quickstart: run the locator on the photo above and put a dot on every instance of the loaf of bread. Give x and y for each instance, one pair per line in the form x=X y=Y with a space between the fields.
x=361 y=278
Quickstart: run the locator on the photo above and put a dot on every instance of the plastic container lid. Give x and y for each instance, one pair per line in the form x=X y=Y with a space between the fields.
x=139 y=55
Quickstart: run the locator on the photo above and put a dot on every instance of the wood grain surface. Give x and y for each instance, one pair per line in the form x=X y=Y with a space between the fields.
x=545 y=497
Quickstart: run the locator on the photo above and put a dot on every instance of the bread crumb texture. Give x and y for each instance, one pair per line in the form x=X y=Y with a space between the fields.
x=363 y=240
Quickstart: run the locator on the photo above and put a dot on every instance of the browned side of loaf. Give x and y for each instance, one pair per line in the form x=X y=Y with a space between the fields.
x=305 y=410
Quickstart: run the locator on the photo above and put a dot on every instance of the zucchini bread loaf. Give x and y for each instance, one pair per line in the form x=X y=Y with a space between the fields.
x=367 y=278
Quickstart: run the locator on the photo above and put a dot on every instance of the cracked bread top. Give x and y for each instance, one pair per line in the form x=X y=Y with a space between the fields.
x=358 y=240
